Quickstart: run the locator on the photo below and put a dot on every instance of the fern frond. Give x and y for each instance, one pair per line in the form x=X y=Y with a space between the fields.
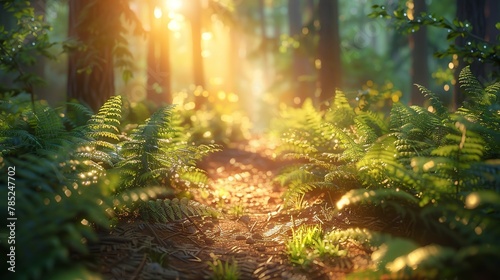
x=154 y=155
x=77 y=114
x=162 y=211
x=193 y=176
x=48 y=124
x=341 y=113
x=437 y=106
x=375 y=197
x=472 y=88
x=380 y=167
x=104 y=126
x=370 y=126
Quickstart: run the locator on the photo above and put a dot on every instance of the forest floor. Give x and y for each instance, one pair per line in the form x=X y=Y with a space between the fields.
x=252 y=231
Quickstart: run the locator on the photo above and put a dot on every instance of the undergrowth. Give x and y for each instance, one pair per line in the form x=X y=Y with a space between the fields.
x=434 y=172
x=75 y=171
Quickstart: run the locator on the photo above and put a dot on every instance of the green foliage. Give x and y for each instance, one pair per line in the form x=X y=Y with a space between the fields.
x=162 y=211
x=154 y=154
x=434 y=171
x=330 y=143
x=211 y=117
x=57 y=205
x=224 y=270
x=309 y=243
x=23 y=36
x=104 y=24
x=71 y=178
x=475 y=49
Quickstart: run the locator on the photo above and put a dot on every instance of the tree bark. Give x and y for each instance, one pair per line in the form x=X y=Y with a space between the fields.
x=198 y=71
x=420 y=67
x=330 y=74
x=300 y=63
x=159 y=88
x=196 y=25
x=472 y=11
x=90 y=69
x=264 y=42
x=492 y=13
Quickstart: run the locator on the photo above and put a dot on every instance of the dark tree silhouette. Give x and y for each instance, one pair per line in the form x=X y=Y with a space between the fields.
x=90 y=66
x=330 y=74
x=419 y=55
x=300 y=63
x=99 y=45
x=482 y=15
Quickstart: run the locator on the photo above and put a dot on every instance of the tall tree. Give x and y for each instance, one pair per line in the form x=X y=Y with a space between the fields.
x=492 y=14
x=264 y=41
x=90 y=66
x=159 y=88
x=196 y=27
x=418 y=46
x=300 y=63
x=195 y=18
x=97 y=31
x=330 y=73
x=473 y=12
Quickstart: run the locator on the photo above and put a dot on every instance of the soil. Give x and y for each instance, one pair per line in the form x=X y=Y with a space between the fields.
x=252 y=230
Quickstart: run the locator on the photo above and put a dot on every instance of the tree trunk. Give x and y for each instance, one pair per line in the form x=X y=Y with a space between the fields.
x=90 y=69
x=159 y=88
x=196 y=25
x=300 y=64
x=420 y=67
x=492 y=13
x=330 y=73
x=264 y=42
x=473 y=12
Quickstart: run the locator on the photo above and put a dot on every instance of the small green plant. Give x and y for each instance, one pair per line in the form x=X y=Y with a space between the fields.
x=223 y=270
x=237 y=210
x=309 y=243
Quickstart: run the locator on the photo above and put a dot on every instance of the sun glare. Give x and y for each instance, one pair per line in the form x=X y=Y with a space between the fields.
x=206 y=36
x=158 y=12
x=174 y=25
x=173 y=5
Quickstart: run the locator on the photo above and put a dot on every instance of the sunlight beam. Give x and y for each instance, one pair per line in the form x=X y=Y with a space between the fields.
x=173 y=5
x=158 y=12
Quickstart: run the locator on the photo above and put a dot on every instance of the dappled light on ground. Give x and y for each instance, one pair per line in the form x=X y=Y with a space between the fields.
x=251 y=231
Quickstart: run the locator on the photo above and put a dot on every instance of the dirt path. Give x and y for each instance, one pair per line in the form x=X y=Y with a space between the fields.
x=252 y=230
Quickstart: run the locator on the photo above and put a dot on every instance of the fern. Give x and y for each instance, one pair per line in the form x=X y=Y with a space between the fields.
x=435 y=105
x=162 y=211
x=60 y=207
x=77 y=115
x=154 y=155
x=374 y=196
x=481 y=108
x=70 y=177
x=423 y=166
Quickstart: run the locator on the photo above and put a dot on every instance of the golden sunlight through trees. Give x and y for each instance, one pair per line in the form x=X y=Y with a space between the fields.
x=250 y=139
